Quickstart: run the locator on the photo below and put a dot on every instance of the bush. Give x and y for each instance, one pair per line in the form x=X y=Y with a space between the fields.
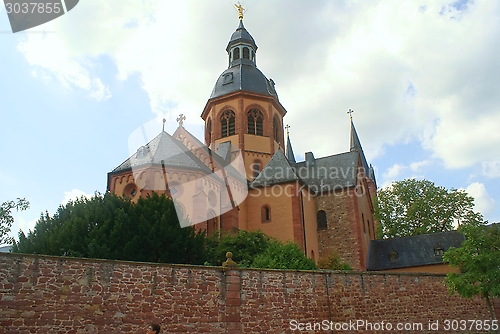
x=333 y=262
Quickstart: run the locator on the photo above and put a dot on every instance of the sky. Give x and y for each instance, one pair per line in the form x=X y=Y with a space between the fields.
x=421 y=76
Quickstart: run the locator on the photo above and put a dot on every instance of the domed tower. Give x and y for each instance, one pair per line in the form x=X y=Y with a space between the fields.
x=243 y=108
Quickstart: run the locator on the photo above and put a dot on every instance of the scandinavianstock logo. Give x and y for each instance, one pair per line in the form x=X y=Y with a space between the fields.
x=26 y=14
x=203 y=183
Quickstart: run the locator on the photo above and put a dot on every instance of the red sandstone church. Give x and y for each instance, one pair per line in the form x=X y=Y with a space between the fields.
x=323 y=204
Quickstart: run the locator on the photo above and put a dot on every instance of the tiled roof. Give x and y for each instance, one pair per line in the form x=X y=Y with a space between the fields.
x=418 y=250
x=329 y=173
x=163 y=148
x=277 y=170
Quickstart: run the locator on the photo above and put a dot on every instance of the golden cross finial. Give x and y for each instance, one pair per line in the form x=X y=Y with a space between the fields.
x=350 y=113
x=181 y=119
x=240 y=9
x=287 y=127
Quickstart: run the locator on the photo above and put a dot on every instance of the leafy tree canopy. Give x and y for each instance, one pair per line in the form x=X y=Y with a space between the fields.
x=412 y=207
x=280 y=255
x=112 y=227
x=254 y=249
x=6 y=218
x=478 y=259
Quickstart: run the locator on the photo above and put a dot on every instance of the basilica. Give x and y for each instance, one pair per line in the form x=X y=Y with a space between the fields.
x=244 y=175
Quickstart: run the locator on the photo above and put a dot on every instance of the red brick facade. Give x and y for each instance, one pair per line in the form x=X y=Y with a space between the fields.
x=42 y=294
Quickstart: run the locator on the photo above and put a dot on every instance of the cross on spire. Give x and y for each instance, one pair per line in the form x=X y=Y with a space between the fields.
x=287 y=127
x=181 y=120
x=350 y=113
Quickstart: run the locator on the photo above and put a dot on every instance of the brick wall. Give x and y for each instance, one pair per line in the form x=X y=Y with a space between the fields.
x=41 y=294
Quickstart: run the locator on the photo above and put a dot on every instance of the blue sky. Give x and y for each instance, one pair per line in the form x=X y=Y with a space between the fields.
x=422 y=77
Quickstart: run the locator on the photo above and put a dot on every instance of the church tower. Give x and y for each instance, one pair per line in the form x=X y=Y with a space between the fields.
x=243 y=108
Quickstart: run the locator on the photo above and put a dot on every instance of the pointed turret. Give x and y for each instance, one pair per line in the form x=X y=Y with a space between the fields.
x=356 y=147
x=289 y=151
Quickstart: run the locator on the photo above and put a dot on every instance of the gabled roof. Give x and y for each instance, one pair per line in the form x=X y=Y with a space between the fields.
x=418 y=250
x=329 y=173
x=163 y=148
x=277 y=170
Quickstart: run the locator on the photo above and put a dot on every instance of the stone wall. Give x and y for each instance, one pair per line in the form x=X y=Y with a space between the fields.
x=342 y=235
x=42 y=294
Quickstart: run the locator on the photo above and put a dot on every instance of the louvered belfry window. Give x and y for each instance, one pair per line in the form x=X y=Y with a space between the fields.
x=255 y=119
x=227 y=121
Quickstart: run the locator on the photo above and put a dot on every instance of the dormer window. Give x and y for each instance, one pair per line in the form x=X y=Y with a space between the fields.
x=141 y=152
x=393 y=255
x=438 y=250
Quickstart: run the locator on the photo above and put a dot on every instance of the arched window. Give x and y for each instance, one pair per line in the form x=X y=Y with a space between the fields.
x=276 y=130
x=227 y=121
x=246 y=53
x=321 y=218
x=266 y=213
x=255 y=119
x=236 y=53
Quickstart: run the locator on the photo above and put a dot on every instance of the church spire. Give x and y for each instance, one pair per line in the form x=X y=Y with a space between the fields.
x=289 y=151
x=356 y=145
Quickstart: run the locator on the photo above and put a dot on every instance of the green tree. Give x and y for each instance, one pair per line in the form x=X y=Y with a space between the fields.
x=280 y=255
x=255 y=249
x=112 y=227
x=245 y=246
x=6 y=218
x=478 y=259
x=412 y=207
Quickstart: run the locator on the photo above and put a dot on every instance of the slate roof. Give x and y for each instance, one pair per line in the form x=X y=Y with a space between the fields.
x=163 y=148
x=222 y=157
x=241 y=35
x=243 y=77
x=277 y=170
x=5 y=249
x=289 y=150
x=411 y=251
x=243 y=74
x=329 y=173
x=356 y=147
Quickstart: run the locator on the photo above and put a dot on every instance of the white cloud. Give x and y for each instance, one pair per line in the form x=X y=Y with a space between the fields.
x=395 y=171
x=414 y=70
x=48 y=52
x=482 y=200
x=491 y=169
x=73 y=195
x=417 y=166
x=24 y=225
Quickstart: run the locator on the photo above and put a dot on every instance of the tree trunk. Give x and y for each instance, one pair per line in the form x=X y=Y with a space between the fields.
x=490 y=308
